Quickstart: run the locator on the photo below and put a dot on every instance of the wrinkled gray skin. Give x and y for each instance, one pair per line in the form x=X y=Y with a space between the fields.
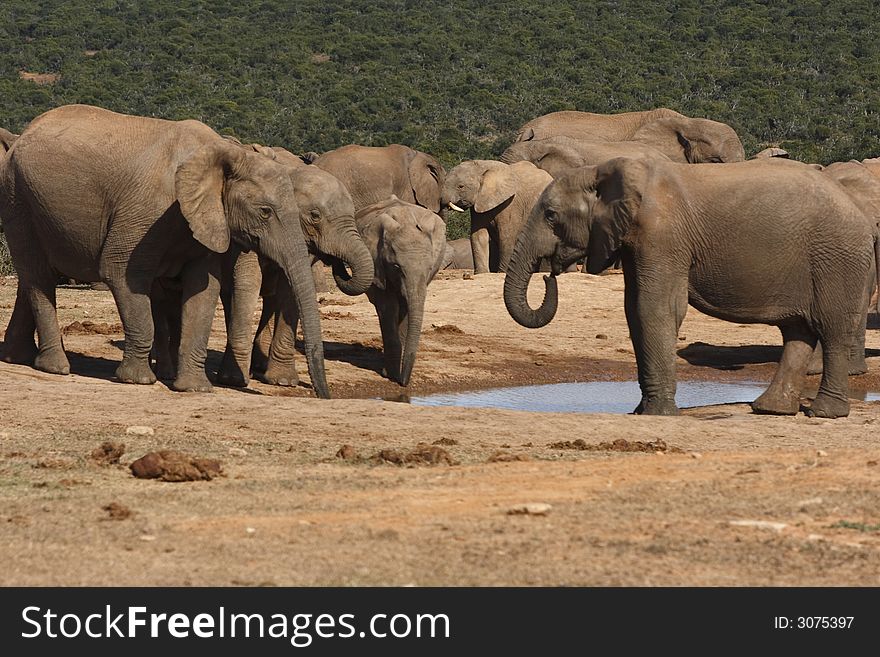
x=127 y=200
x=374 y=173
x=680 y=138
x=458 y=254
x=407 y=243
x=557 y=154
x=327 y=222
x=765 y=241
x=499 y=197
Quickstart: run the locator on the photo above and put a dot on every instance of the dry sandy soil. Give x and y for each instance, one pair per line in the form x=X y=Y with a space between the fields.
x=735 y=499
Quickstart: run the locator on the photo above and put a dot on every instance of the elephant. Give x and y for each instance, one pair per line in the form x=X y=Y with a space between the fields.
x=128 y=200
x=772 y=151
x=327 y=222
x=407 y=243
x=680 y=138
x=500 y=197
x=374 y=173
x=458 y=255
x=764 y=241
x=557 y=154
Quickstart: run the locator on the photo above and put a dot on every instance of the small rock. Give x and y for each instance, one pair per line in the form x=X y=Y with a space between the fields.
x=530 y=509
x=250 y=531
x=695 y=455
x=139 y=430
x=815 y=537
x=237 y=451
x=117 y=511
x=760 y=524
x=811 y=502
x=821 y=452
x=539 y=363
x=147 y=537
x=346 y=453
x=601 y=336
x=108 y=453
x=467 y=276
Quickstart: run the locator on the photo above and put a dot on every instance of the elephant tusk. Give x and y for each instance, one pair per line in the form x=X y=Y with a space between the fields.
x=453 y=206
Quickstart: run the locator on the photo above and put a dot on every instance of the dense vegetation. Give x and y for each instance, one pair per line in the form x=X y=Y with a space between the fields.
x=452 y=77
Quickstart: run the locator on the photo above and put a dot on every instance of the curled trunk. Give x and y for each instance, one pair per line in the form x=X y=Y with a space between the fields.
x=523 y=263
x=351 y=251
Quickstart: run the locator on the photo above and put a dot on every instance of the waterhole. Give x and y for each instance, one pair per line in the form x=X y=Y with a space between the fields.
x=602 y=396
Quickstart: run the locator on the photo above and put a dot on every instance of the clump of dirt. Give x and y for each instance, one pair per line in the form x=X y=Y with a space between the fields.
x=55 y=464
x=446 y=329
x=324 y=301
x=170 y=465
x=507 y=457
x=347 y=453
x=422 y=455
x=619 y=445
x=335 y=314
x=92 y=328
x=445 y=441
x=108 y=453
x=117 y=511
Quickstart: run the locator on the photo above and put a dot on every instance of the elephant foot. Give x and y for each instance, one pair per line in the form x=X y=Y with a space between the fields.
x=656 y=406
x=192 y=382
x=135 y=371
x=858 y=366
x=773 y=403
x=825 y=405
x=230 y=373
x=53 y=361
x=19 y=353
x=279 y=375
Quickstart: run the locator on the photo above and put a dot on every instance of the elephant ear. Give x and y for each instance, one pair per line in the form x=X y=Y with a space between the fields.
x=669 y=136
x=617 y=185
x=375 y=228
x=497 y=185
x=198 y=184
x=426 y=177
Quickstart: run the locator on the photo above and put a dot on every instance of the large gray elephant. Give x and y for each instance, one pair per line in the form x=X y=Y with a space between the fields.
x=680 y=138
x=374 y=173
x=764 y=241
x=128 y=200
x=407 y=243
x=557 y=154
x=327 y=222
x=500 y=197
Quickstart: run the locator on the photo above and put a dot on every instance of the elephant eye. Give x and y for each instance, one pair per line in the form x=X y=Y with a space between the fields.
x=265 y=211
x=550 y=216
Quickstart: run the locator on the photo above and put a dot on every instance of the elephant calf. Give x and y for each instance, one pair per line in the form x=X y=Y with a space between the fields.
x=408 y=244
x=764 y=241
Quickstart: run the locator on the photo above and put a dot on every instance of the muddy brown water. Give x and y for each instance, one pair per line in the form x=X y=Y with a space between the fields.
x=603 y=396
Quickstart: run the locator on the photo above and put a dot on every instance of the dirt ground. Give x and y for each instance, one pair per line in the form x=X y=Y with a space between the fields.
x=718 y=497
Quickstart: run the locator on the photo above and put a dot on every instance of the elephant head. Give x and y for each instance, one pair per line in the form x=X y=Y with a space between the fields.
x=692 y=140
x=479 y=184
x=585 y=212
x=226 y=192
x=408 y=243
x=553 y=155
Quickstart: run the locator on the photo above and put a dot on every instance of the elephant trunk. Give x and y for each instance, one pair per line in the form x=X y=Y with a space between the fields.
x=413 y=330
x=533 y=244
x=352 y=252
x=291 y=255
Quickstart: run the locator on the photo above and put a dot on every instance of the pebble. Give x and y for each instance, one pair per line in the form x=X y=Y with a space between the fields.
x=530 y=509
x=237 y=451
x=821 y=452
x=695 y=455
x=601 y=336
x=147 y=537
x=139 y=430
x=250 y=531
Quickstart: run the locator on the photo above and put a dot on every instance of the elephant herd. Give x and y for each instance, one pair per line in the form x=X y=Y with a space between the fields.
x=172 y=216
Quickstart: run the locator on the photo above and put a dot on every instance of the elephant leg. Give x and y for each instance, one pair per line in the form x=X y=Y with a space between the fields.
x=137 y=321
x=480 y=244
x=34 y=304
x=856 y=361
x=832 y=400
x=783 y=395
x=166 y=308
x=655 y=308
x=263 y=338
x=281 y=367
x=18 y=343
x=388 y=309
x=240 y=293
x=201 y=289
